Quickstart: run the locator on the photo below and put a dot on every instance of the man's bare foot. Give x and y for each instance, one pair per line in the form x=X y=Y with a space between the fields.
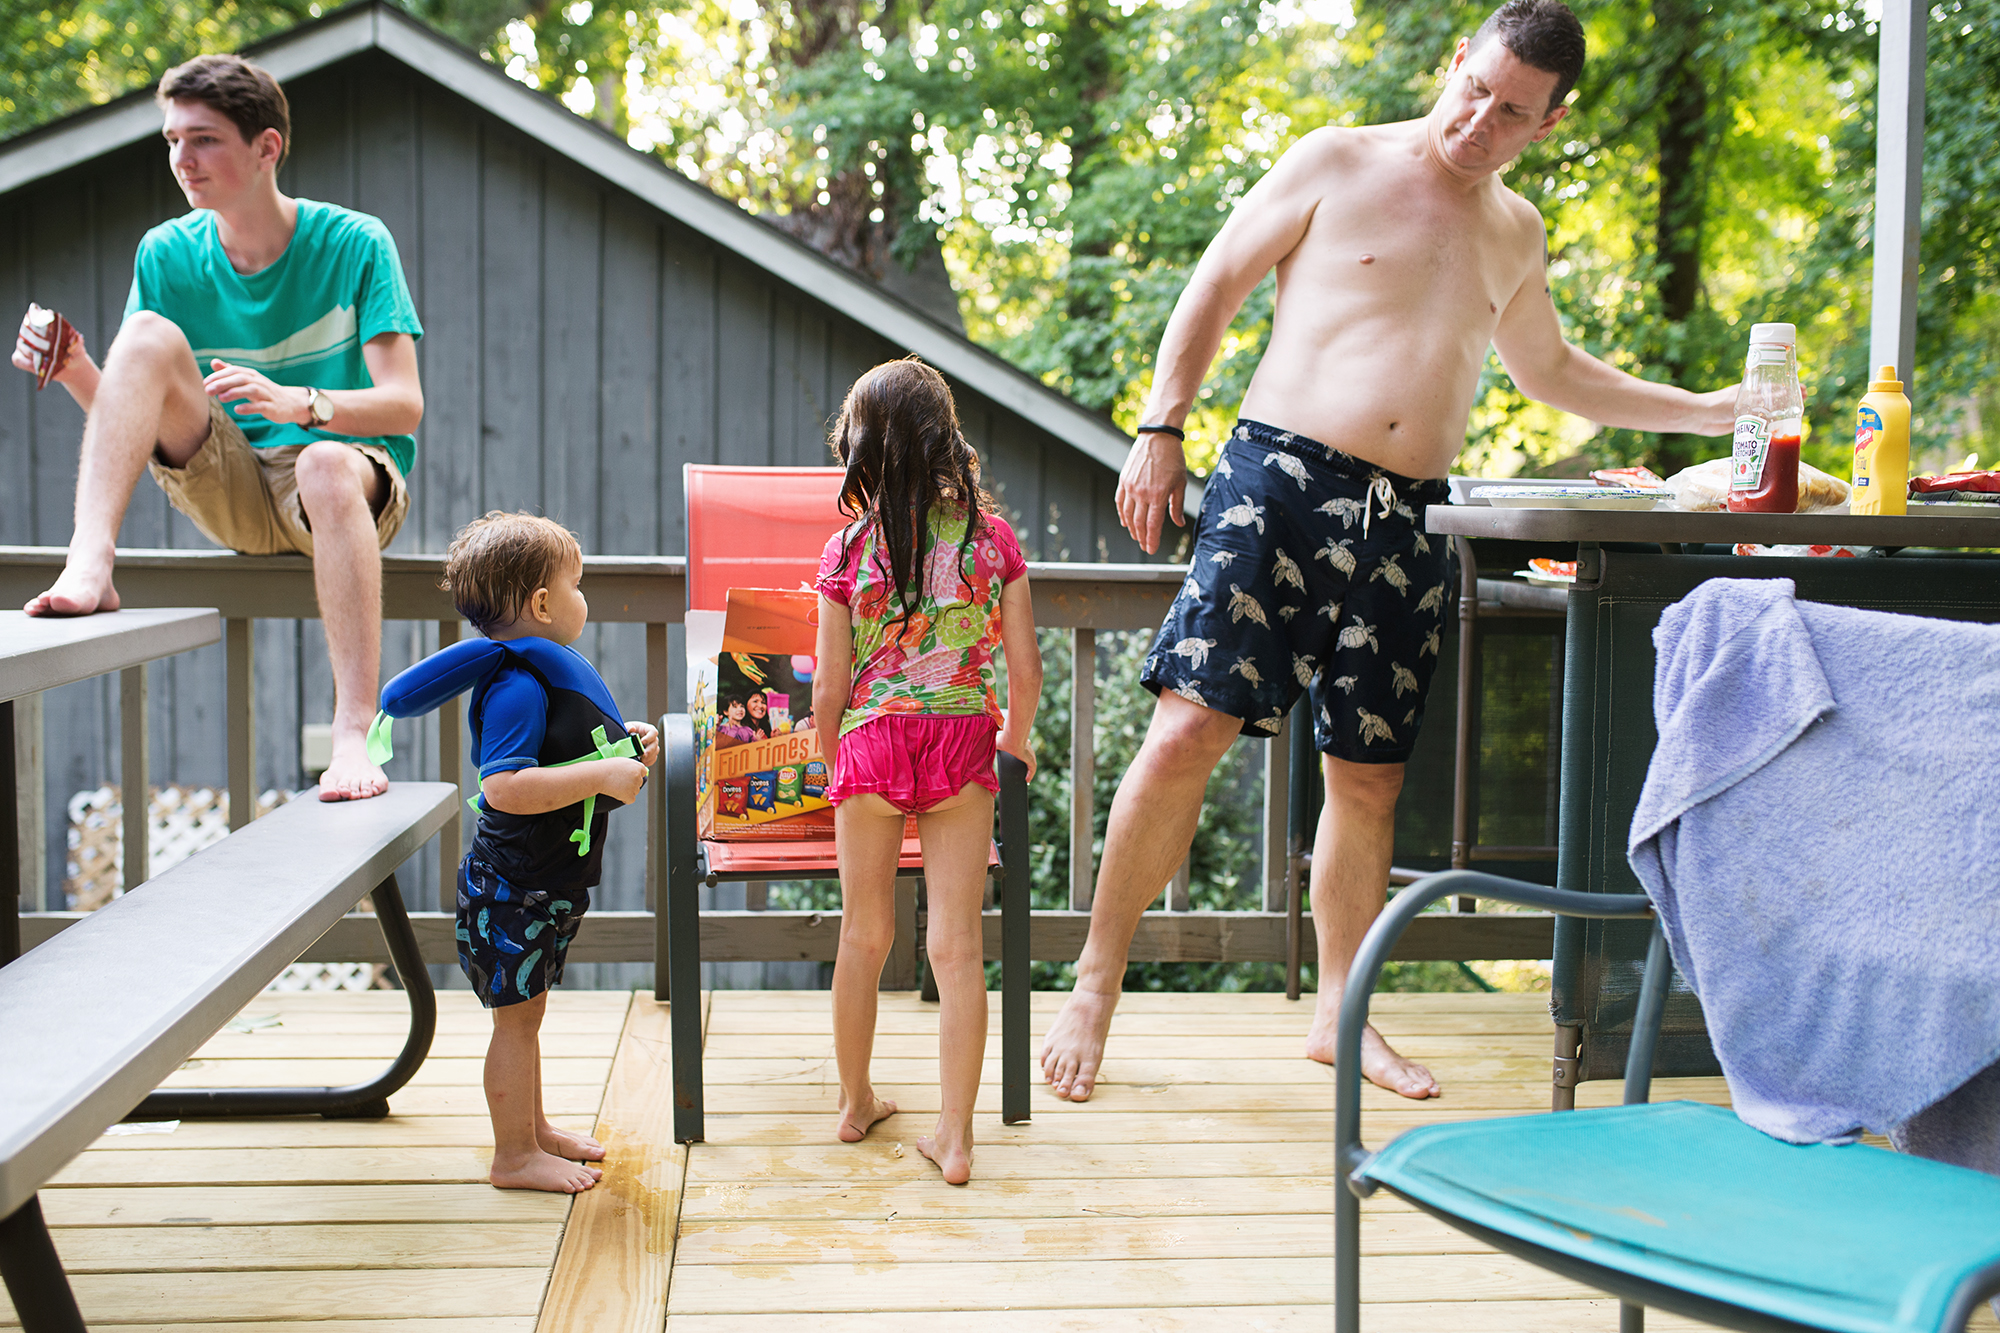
x=853 y=1128
x=537 y=1170
x=1380 y=1064
x=1074 y=1047
x=351 y=777
x=571 y=1147
x=79 y=591
x=953 y=1156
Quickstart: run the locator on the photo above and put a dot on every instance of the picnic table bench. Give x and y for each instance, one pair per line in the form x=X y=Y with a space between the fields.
x=99 y=1015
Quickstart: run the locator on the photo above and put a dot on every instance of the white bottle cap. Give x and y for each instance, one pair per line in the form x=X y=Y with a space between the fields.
x=1784 y=335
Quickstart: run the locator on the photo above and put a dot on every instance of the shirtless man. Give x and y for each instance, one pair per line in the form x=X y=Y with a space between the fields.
x=1400 y=257
x=290 y=429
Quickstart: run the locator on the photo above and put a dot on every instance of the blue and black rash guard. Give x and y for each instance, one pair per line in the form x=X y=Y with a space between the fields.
x=543 y=706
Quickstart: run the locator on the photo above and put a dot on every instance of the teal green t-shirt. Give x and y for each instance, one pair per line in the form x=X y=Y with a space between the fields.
x=301 y=321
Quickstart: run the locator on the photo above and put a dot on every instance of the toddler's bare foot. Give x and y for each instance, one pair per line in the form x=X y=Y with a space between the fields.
x=537 y=1170
x=572 y=1147
x=1074 y=1047
x=1380 y=1064
x=78 y=591
x=954 y=1158
x=853 y=1127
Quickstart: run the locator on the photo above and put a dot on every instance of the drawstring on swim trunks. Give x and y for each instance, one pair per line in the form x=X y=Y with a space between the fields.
x=1382 y=492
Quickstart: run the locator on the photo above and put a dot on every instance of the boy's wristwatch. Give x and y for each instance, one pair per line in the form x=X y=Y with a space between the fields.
x=319 y=407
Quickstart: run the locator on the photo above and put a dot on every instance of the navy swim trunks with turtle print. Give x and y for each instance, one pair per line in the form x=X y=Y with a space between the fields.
x=1311 y=571
x=513 y=942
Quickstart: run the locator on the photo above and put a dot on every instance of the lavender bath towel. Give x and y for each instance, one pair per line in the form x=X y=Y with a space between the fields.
x=1820 y=833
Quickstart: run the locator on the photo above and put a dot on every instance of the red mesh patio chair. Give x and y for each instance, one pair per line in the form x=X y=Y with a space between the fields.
x=764 y=527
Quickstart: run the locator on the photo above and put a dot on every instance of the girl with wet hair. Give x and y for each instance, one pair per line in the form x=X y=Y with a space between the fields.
x=916 y=596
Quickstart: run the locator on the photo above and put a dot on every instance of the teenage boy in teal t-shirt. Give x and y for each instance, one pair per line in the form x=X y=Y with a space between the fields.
x=265 y=374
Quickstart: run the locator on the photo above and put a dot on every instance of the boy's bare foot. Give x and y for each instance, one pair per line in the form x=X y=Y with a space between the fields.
x=351 y=777
x=537 y=1170
x=1380 y=1064
x=571 y=1147
x=1074 y=1047
x=954 y=1159
x=853 y=1128
x=79 y=591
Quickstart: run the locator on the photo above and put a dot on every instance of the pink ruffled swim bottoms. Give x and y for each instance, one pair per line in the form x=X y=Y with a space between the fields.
x=915 y=760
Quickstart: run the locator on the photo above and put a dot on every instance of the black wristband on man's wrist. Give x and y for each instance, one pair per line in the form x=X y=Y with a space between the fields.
x=1162 y=429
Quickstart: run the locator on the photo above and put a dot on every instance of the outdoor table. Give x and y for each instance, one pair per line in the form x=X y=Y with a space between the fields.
x=1631 y=565
x=40 y=652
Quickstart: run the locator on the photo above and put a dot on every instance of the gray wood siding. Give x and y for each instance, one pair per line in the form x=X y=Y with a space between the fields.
x=580 y=347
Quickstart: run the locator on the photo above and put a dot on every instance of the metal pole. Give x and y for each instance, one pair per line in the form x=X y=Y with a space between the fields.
x=1899 y=187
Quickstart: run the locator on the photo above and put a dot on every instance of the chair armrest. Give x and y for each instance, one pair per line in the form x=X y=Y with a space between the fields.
x=1381 y=940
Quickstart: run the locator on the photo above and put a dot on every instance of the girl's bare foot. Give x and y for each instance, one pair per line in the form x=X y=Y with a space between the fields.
x=954 y=1158
x=537 y=1170
x=852 y=1127
x=571 y=1147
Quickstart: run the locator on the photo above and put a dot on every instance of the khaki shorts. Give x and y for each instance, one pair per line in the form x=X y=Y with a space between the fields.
x=247 y=499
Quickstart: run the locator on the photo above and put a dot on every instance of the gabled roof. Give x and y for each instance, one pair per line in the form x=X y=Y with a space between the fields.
x=376 y=26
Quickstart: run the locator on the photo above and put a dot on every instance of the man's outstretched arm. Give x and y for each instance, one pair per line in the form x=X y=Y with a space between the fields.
x=1548 y=369
x=1265 y=226
x=394 y=406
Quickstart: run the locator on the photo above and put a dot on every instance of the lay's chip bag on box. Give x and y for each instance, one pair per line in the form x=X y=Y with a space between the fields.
x=759 y=772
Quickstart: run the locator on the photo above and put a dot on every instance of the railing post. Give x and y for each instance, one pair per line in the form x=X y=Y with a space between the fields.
x=1277 y=815
x=1178 y=887
x=137 y=797
x=900 y=971
x=242 y=724
x=1299 y=835
x=657 y=680
x=10 y=850
x=28 y=758
x=1082 y=766
x=451 y=765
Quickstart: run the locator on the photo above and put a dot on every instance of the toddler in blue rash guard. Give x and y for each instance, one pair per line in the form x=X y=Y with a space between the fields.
x=554 y=760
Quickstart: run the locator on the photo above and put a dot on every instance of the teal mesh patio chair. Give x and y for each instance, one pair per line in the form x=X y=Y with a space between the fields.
x=1674 y=1205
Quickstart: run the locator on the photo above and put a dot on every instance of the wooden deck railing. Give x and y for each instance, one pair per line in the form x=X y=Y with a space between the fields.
x=1082 y=599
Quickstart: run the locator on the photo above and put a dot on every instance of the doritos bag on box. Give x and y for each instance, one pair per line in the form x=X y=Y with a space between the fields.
x=759 y=772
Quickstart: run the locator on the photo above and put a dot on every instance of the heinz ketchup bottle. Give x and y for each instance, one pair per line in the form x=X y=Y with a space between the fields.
x=1770 y=414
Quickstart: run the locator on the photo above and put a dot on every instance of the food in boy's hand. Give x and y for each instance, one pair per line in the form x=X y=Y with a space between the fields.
x=58 y=338
x=1553 y=569
x=1705 y=487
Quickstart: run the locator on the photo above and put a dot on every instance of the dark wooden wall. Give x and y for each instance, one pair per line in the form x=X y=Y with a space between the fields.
x=580 y=347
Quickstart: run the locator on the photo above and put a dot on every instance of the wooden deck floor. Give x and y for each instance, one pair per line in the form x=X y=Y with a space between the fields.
x=1192 y=1192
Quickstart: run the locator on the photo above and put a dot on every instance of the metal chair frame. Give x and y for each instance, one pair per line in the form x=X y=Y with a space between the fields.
x=684 y=870
x=1350 y=1157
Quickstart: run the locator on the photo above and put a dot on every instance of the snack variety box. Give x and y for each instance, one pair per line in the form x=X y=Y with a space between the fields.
x=759 y=772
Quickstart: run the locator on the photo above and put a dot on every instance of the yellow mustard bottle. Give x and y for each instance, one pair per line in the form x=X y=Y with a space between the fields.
x=1882 y=448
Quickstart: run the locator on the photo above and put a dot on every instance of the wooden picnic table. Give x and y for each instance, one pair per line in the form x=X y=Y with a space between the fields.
x=41 y=652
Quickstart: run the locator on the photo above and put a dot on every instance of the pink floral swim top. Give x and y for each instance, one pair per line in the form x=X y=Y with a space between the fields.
x=940 y=661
